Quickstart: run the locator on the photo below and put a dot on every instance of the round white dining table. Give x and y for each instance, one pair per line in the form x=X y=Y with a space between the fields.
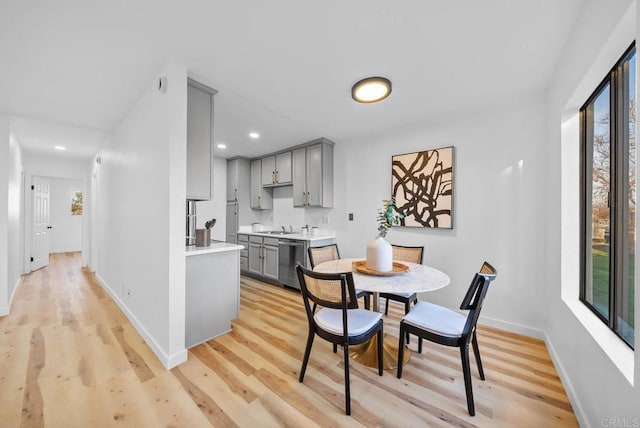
x=419 y=278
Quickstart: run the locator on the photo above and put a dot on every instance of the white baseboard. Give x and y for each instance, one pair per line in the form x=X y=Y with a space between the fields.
x=568 y=386
x=512 y=327
x=539 y=334
x=6 y=310
x=64 y=251
x=168 y=361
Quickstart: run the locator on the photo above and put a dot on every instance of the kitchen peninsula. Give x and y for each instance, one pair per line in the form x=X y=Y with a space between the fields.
x=212 y=291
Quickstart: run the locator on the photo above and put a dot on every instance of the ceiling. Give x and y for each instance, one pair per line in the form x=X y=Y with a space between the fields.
x=283 y=68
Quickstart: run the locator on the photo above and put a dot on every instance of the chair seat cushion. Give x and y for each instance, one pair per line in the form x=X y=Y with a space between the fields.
x=361 y=293
x=436 y=319
x=359 y=320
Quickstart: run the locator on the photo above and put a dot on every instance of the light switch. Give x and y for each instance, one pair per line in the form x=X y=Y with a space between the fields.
x=350 y=216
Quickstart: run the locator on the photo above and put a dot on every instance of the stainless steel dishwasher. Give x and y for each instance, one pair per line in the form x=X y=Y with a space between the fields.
x=290 y=253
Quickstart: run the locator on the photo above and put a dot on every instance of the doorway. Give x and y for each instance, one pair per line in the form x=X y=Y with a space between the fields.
x=57 y=218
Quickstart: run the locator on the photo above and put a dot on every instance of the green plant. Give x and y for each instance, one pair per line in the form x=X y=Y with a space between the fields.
x=388 y=216
x=210 y=223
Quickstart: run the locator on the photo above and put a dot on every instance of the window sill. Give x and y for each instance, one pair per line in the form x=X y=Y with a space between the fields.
x=618 y=352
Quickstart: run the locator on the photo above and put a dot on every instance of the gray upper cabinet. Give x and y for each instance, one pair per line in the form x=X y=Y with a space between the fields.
x=276 y=170
x=199 y=140
x=299 y=172
x=283 y=168
x=313 y=175
x=261 y=198
x=233 y=179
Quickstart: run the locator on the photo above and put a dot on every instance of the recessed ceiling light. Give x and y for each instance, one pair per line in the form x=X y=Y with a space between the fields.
x=222 y=146
x=254 y=135
x=371 y=89
x=61 y=148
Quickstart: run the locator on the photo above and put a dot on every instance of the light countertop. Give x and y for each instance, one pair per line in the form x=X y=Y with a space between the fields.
x=322 y=235
x=215 y=247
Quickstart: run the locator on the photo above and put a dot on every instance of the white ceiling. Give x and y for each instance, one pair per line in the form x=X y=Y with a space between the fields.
x=283 y=68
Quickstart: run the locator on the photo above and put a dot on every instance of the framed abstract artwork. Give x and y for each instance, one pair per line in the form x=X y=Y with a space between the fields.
x=422 y=183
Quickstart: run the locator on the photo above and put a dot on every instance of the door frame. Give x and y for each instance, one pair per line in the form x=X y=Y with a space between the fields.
x=28 y=216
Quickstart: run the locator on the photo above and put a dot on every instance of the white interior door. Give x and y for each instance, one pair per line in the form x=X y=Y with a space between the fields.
x=40 y=227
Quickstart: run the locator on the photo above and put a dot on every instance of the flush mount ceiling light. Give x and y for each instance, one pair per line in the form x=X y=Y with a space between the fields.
x=371 y=89
x=254 y=135
x=61 y=148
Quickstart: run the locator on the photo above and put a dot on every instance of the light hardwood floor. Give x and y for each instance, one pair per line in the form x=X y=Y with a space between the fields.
x=70 y=358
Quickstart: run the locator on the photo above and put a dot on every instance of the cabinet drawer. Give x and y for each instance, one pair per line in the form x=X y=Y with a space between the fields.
x=271 y=241
x=256 y=239
x=244 y=253
x=244 y=263
x=243 y=238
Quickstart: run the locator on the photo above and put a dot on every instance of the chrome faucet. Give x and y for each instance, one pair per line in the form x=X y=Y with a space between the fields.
x=283 y=229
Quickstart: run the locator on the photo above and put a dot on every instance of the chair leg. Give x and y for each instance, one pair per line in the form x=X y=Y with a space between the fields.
x=335 y=348
x=407 y=308
x=367 y=299
x=466 y=370
x=347 y=386
x=380 y=350
x=386 y=307
x=307 y=351
x=419 y=345
x=401 y=350
x=476 y=352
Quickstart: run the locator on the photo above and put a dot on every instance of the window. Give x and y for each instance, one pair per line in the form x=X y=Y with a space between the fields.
x=608 y=142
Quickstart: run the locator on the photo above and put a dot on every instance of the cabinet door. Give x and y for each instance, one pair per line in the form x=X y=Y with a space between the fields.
x=283 y=168
x=199 y=127
x=261 y=198
x=255 y=258
x=298 y=176
x=233 y=179
x=269 y=171
x=270 y=266
x=314 y=175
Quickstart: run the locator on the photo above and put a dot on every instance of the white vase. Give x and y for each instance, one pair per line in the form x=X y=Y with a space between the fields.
x=379 y=255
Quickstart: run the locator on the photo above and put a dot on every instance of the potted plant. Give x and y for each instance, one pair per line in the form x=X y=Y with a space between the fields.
x=379 y=251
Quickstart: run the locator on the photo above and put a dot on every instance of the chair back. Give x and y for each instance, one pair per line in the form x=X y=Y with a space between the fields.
x=329 y=290
x=407 y=254
x=474 y=297
x=323 y=254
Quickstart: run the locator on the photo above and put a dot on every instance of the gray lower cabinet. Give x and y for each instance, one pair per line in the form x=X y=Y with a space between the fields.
x=244 y=253
x=263 y=257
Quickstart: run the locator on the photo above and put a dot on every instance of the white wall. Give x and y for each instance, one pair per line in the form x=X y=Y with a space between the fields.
x=584 y=356
x=4 y=210
x=141 y=193
x=15 y=217
x=42 y=166
x=66 y=235
x=497 y=196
